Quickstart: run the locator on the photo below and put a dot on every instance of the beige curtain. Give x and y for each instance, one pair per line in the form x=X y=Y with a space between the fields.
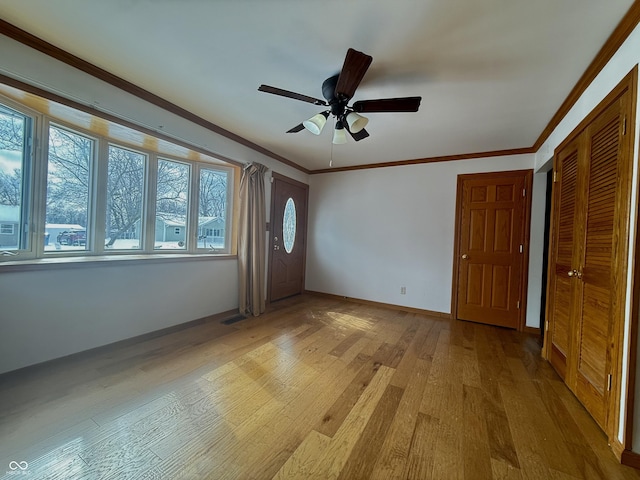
x=252 y=240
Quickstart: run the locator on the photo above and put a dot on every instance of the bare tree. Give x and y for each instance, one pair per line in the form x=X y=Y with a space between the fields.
x=125 y=190
x=70 y=158
x=213 y=193
x=69 y=177
x=11 y=129
x=10 y=187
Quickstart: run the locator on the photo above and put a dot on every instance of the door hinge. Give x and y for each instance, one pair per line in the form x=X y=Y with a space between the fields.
x=555 y=177
x=546 y=325
x=524 y=192
x=609 y=379
x=624 y=125
x=518 y=304
x=521 y=248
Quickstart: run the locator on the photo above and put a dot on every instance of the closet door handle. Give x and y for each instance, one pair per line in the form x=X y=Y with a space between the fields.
x=571 y=273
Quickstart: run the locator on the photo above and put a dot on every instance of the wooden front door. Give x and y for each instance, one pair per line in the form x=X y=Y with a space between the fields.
x=288 y=238
x=491 y=247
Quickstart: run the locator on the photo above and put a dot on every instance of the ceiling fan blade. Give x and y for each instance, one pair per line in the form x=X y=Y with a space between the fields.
x=404 y=104
x=288 y=94
x=296 y=129
x=361 y=135
x=355 y=66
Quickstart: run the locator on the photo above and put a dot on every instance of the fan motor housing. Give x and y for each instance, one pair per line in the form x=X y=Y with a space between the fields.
x=329 y=93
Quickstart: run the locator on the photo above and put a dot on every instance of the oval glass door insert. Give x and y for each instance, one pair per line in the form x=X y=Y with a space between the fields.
x=289 y=225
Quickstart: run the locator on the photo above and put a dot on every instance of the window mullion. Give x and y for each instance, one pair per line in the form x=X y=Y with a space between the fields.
x=40 y=153
x=100 y=168
x=192 y=219
x=151 y=188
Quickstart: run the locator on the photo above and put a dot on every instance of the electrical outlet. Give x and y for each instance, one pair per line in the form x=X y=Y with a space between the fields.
x=403 y=290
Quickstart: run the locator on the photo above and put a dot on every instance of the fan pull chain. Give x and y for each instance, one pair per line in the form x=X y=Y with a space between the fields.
x=331 y=157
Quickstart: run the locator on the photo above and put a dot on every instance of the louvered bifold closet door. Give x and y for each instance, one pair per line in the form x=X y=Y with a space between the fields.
x=561 y=291
x=595 y=279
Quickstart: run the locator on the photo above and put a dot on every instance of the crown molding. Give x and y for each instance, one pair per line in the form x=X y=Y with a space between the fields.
x=417 y=161
x=63 y=56
x=611 y=46
x=613 y=43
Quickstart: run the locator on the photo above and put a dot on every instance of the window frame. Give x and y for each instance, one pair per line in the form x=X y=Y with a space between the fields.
x=103 y=188
x=98 y=182
x=228 y=209
x=92 y=194
x=29 y=189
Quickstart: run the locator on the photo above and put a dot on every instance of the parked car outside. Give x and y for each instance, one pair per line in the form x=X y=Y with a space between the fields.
x=72 y=237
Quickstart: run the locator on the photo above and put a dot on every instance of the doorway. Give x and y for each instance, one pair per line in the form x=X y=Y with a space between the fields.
x=491 y=248
x=288 y=238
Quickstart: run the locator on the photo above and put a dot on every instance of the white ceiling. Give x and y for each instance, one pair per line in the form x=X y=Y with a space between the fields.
x=491 y=73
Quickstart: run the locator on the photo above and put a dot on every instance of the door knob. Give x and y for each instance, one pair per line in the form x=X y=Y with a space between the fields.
x=465 y=256
x=571 y=273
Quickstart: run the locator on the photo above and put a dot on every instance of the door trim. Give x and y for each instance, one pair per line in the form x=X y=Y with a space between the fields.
x=526 y=224
x=272 y=208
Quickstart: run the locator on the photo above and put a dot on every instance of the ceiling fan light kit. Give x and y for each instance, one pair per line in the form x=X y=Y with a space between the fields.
x=338 y=90
x=356 y=122
x=316 y=123
x=339 y=136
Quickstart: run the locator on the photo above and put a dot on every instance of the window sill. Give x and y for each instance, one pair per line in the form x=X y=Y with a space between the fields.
x=56 y=263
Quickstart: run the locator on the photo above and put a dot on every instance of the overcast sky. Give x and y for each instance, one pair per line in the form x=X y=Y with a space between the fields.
x=10 y=160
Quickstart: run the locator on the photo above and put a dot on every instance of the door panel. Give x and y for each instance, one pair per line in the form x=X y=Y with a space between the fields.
x=596 y=316
x=491 y=216
x=561 y=289
x=288 y=238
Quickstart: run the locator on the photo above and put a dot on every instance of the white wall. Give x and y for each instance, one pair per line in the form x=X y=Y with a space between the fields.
x=48 y=314
x=53 y=313
x=373 y=231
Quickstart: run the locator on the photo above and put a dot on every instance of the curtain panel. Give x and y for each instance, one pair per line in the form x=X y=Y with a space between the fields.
x=252 y=240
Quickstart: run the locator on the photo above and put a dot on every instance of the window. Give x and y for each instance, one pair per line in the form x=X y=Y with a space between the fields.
x=15 y=163
x=212 y=207
x=125 y=199
x=172 y=204
x=83 y=193
x=289 y=225
x=68 y=187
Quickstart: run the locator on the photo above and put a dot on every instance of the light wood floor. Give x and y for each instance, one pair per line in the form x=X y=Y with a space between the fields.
x=316 y=388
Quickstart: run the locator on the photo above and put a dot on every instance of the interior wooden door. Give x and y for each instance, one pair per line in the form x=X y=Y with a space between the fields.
x=589 y=255
x=562 y=291
x=491 y=247
x=594 y=275
x=288 y=238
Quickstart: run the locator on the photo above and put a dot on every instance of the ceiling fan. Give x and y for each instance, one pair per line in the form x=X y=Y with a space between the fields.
x=338 y=91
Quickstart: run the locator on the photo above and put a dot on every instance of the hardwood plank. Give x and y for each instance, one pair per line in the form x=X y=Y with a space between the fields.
x=364 y=453
x=333 y=419
x=395 y=450
x=475 y=441
x=319 y=456
x=420 y=461
x=248 y=401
